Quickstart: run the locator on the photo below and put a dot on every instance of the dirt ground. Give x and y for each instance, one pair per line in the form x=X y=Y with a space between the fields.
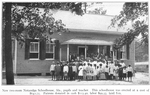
x=138 y=79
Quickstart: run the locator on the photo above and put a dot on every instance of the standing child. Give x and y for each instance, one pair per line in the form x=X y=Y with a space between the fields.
x=52 y=70
x=130 y=73
x=94 y=72
x=74 y=69
x=124 y=73
x=61 y=73
x=65 y=71
x=84 y=71
x=106 y=70
x=91 y=72
x=80 y=74
x=88 y=71
x=116 y=68
x=111 y=70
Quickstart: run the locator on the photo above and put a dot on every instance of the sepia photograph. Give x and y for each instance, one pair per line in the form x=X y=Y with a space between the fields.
x=75 y=43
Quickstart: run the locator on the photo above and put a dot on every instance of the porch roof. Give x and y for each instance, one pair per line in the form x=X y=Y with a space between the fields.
x=88 y=42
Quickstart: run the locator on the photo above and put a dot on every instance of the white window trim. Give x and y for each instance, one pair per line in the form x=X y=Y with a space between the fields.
x=51 y=52
x=115 y=54
x=35 y=52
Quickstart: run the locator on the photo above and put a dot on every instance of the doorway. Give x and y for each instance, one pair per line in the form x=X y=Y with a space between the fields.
x=82 y=51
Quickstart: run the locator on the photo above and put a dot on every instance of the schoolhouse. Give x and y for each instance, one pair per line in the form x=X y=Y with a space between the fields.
x=87 y=34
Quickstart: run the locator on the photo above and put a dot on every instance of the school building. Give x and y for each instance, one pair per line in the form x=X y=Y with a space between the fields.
x=87 y=34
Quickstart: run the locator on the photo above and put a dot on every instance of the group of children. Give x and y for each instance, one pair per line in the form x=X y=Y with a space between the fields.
x=91 y=70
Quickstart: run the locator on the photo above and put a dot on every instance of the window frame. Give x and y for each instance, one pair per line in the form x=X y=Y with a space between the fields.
x=50 y=52
x=123 y=51
x=34 y=52
x=115 y=54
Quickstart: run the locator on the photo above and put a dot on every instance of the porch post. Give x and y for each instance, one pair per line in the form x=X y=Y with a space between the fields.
x=60 y=54
x=85 y=51
x=111 y=49
x=67 y=52
x=103 y=50
x=98 y=49
x=113 y=56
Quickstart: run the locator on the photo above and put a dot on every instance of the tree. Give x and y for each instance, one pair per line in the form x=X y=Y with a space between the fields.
x=99 y=10
x=29 y=22
x=8 y=49
x=135 y=13
x=141 y=52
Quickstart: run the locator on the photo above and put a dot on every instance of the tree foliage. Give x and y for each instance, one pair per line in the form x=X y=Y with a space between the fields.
x=99 y=11
x=135 y=13
x=29 y=22
x=141 y=52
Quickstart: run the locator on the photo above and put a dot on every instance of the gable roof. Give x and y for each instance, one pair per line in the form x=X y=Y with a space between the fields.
x=89 y=22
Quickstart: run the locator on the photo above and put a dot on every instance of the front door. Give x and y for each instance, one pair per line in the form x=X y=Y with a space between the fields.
x=81 y=51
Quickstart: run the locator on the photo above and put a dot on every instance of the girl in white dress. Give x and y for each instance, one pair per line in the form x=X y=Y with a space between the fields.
x=80 y=74
x=94 y=71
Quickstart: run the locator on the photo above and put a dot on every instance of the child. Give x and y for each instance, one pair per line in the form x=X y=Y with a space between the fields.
x=66 y=70
x=88 y=71
x=94 y=71
x=106 y=70
x=84 y=71
x=80 y=74
x=124 y=73
x=91 y=73
x=130 y=72
x=52 y=70
x=116 y=68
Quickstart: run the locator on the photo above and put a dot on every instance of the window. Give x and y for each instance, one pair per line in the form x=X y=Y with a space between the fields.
x=123 y=52
x=49 y=51
x=40 y=49
x=34 y=49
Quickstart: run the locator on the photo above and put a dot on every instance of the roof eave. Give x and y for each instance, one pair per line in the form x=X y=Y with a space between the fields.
x=96 y=31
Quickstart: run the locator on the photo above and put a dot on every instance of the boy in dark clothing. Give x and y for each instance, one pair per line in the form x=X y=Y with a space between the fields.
x=61 y=72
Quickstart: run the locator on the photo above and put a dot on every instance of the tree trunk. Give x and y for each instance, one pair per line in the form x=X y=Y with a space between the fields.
x=8 y=46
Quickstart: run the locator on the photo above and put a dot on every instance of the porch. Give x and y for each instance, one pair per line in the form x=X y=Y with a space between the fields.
x=85 y=49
